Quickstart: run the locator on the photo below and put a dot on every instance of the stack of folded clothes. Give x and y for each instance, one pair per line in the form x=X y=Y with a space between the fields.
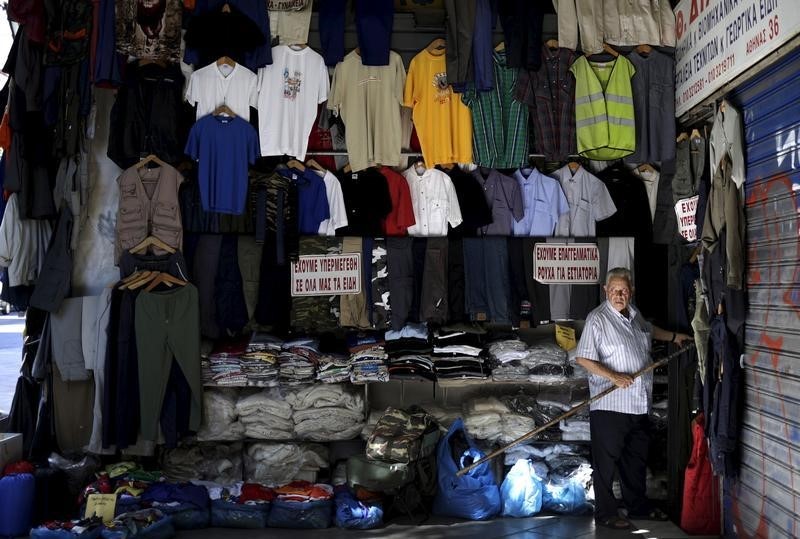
x=369 y=365
x=412 y=339
x=412 y=366
x=364 y=340
x=547 y=362
x=483 y=418
x=509 y=360
x=260 y=360
x=327 y=412
x=220 y=463
x=298 y=361
x=459 y=334
x=574 y=429
x=220 y=418
x=266 y=415
x=224 y=363
x=333 y=369
x=460 y=367
x=275 y=464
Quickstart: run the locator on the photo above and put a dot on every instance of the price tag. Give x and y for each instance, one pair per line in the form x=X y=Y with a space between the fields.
x=101 y=505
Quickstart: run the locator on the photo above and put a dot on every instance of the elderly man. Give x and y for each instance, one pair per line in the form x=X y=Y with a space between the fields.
x=614 y=345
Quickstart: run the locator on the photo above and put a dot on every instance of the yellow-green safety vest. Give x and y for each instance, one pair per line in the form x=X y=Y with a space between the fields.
x=604 y=122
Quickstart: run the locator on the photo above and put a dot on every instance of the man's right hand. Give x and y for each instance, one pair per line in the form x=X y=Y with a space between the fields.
x=621 y=379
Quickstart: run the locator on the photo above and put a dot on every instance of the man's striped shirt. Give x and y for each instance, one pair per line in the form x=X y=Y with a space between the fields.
x=622 y=344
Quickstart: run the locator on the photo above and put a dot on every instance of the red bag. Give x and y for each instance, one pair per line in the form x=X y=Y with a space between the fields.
x=701 y=510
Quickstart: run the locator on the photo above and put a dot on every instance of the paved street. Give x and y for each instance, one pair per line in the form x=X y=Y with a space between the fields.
x=11 y=327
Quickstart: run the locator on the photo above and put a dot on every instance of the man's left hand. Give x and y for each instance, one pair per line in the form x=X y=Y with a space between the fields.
x=681 y=338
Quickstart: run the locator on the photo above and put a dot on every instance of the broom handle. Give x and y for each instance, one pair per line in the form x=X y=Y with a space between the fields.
x=568 y=413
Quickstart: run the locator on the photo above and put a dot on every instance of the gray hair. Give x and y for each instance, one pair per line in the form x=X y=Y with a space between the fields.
x=620 y=273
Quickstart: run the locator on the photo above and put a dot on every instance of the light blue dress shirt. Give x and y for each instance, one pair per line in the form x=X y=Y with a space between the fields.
x=544 y=203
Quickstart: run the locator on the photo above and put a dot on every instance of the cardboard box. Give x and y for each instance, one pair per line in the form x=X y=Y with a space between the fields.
x=10 y=448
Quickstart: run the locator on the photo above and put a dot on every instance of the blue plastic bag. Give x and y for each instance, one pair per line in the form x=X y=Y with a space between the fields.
x=187 y=516
x=303 y=515
x=354 y=514
x=565 y=496
x=130 y=526
x=474 y=495
x=16 y=504
x=521 y=491
x=44 y=533
x=226 y=514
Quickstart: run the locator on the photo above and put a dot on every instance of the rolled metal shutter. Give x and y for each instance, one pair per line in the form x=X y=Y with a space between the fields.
x=765 y=501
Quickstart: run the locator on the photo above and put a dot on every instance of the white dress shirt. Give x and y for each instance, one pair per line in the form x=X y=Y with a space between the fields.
x=434 y=200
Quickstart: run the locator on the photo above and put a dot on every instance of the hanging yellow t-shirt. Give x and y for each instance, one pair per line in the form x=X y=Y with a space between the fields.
x=443 y=122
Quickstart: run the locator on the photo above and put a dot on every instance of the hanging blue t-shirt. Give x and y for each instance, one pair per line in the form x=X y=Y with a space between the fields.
x=312 y=200
x=223 y=147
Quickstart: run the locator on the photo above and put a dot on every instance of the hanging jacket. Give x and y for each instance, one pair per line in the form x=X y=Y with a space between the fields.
x=604 y=118
x=55 y=278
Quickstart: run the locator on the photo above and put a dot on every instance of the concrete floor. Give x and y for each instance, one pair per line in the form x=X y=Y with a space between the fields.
x=546 y=527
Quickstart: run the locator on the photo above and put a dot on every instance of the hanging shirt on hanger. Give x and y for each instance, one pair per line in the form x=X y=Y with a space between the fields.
x=217 y=33
x=435 y=202
x=727 y=138
x=223 y=148
x=589 y=202
x=215 y=85
x=312 y=201
x=402 y=215
x=653 y=87
x=503 y=197
x=336 y=208
x=367 y=199
x=544 y=203
x=368 y=99
x=443 y=122
x=289 y=91
x=499 y=121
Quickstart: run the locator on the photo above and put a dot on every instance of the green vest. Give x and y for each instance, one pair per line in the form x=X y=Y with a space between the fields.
x=604 y=108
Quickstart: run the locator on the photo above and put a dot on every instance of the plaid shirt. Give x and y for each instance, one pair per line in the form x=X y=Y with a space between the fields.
x=550 y=93
x=500 y=122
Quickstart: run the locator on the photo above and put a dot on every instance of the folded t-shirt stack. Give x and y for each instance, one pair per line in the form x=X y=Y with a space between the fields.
x=260 y=360
x=224 y=363
x=547 y=362
x=489 y=419
x=304 y=491
x=369 y=365
x=460 y=367
x=460 y=334
x=298 y=361
x=220 y=418
x=412 y=366
x=333 y=369
x=574 y=429
x=413 y=338
x=275 y=464
x=327 y=412
x=509 y=359
x=266 y=415
x=363 y=340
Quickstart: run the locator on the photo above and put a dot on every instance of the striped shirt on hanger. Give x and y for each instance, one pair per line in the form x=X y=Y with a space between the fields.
x=621 y=344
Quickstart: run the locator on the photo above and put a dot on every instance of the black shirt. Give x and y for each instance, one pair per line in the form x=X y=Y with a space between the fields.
x=475 y=211
x=367 y=201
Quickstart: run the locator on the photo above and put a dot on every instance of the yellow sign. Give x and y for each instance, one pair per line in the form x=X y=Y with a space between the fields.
x=102 y=505
x=565 y=337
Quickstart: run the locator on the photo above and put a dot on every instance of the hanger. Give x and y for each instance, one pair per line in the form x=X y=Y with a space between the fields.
x=147 y=61
x=500 y=46
x=152 y=158
x=311 y=163
x=226 y=8
x=447 y=166
x=347 y=168
x=224 y=110
x=551 y=43
x=147 y=242
x=227 y=60
x=646 y=167
x=573 y=166
x=419 y=167
x=722 y=106
x=610 y=50
x=695 y=253
x=164 y=278
x=695 y=135
x=294 y=163
x=683 y=136
x=298 y=46
x=437 y=46
x=644 y=49
x=358 y=50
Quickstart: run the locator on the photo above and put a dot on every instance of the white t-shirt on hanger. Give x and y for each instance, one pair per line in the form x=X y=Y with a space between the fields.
x=215 y=85
x=289 y=92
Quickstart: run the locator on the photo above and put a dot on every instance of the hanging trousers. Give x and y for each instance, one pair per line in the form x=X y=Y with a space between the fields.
x=167 y=327
x=619 y=441
x=460 y=25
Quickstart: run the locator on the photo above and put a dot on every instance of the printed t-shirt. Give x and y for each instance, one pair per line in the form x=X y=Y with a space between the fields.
x=289 y=91
x=443 y=122
x=213 y=85
x=223 y=148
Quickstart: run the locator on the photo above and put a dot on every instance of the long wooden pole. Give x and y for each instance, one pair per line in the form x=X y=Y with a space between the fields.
x=569 y=413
